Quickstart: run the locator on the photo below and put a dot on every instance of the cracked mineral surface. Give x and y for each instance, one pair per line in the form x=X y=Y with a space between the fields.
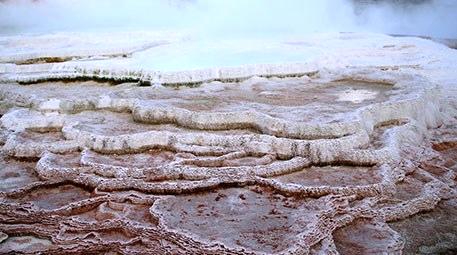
x=353 y=151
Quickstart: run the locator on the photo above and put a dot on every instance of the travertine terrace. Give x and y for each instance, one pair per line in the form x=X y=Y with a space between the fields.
x=351 y=152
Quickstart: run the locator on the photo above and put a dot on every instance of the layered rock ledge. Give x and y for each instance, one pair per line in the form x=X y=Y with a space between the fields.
x=344 y=154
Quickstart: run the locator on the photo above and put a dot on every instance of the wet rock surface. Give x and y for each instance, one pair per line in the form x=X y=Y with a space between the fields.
x=350 y=163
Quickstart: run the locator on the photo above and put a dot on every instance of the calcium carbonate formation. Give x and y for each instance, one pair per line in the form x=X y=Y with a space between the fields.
x=318 y=157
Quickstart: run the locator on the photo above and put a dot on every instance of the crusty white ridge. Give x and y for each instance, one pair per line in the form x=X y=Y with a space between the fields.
x=265 y=151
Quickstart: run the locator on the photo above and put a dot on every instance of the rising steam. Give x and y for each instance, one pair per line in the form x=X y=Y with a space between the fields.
x=229 y=18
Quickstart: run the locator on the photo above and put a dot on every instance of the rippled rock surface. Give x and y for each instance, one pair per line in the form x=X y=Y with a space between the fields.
x=338 y=160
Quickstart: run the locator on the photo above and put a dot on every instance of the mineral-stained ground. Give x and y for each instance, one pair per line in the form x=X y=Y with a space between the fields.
x=339 y=160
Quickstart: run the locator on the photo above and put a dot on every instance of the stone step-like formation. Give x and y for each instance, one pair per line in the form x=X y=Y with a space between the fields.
x=283 y=166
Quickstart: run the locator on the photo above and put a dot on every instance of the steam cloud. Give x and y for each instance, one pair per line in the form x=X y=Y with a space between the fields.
x=231 y=18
